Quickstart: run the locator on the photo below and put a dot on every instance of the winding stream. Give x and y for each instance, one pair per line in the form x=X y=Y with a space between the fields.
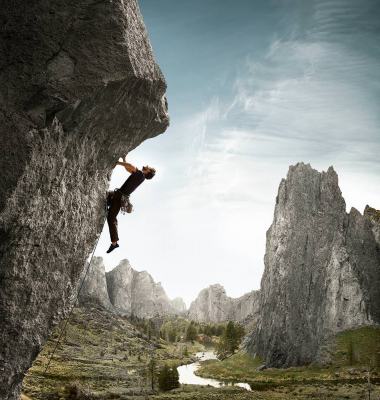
x=187 y=373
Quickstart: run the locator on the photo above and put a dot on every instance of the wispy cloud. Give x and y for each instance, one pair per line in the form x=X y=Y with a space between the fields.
x=313 y=96
x=308 y=99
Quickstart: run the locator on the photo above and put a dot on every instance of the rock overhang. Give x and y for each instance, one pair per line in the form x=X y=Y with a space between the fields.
x=79 y=88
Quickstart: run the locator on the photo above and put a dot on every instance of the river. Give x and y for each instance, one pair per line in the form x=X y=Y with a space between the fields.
x=187 y=373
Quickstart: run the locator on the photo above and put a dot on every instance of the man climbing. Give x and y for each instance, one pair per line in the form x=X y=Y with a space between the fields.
x=119 y=199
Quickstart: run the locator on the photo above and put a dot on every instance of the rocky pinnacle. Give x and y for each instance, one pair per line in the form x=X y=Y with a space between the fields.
x=322 y=270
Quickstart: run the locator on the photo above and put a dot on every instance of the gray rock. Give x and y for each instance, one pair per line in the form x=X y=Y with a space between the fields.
x=213 y=305
x=246 y=308
x=178 y=305
x=126 y=291
x=261 y=367
x=79 y=88
x=373 y=216
x=135 y=293
x=149 y=298
x=322 y=270
x=94 y=287
x=120 y=286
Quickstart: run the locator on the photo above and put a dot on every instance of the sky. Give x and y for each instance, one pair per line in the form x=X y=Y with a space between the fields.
x=253 y=87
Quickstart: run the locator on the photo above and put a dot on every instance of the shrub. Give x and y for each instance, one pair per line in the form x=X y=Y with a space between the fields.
x=168 y=378
x=76 y=391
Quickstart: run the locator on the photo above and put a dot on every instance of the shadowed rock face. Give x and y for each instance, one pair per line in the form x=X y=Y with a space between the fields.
x=120 y=286
x=79 y=87
x=322 y=270
x=213 y=305
x=94 y=287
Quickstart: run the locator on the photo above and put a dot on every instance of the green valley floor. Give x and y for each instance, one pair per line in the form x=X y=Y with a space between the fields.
x=105 y=357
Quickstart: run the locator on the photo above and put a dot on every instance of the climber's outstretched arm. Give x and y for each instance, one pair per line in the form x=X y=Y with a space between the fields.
x=129 y=167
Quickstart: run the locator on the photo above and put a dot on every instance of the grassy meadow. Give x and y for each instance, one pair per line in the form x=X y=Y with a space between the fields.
x=104 y=357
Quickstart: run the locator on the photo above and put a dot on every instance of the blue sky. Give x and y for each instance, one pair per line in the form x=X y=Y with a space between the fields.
x=253 y=87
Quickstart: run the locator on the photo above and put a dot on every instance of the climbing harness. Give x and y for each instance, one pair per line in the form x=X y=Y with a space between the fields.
x=75 y=301
x=126 y=207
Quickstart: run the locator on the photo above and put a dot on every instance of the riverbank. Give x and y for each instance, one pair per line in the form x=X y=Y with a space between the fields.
x=188 y=373
x=354 y=358
x=105 y=357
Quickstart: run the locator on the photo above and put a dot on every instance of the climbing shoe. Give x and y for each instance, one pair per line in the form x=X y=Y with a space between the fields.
x=112 y=247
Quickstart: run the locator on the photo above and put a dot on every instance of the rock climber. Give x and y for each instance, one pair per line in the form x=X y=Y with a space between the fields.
x=119 y=199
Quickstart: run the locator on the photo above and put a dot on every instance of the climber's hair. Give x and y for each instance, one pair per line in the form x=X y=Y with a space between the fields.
x=150 y=174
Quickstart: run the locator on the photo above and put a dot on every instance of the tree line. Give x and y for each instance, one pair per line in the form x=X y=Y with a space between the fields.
x=224 y=337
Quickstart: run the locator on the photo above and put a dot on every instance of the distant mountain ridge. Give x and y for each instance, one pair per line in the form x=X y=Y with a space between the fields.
x=213 y=305
x=127 y=291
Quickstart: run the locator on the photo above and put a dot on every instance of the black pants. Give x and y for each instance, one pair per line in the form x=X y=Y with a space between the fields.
x=114 y=201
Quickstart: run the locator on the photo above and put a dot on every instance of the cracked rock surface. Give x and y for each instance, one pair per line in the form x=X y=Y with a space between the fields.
x=322 y=269
x=79 y=88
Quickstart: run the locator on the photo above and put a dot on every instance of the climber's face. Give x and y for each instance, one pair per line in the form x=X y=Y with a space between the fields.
x=149 y=172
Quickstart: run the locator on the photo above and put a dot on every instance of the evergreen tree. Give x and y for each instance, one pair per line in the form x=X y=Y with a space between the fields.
x=168 y=378
x=174 y=378
x=151 y=372
x=172 y=335
x=163 y=377
x=219 y=330
x=191 y=332
x=230 y=340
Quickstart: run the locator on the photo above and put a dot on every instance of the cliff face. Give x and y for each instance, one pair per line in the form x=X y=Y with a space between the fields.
x=373 y=216
x=213 y=305
x=322 y=270
x=149 y=298
x=246 y=307
x=94 y=289
x=179 y=305
x=135 y=293
x=79 y=87
x=120 y=286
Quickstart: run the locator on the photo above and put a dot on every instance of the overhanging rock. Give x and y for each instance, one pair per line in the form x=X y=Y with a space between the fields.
x=79 y=87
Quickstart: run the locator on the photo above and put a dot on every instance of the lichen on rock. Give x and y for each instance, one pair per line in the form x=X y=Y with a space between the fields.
x=79 y=88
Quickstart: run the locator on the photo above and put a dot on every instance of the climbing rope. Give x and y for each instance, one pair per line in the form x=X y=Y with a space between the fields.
x=75 y=301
